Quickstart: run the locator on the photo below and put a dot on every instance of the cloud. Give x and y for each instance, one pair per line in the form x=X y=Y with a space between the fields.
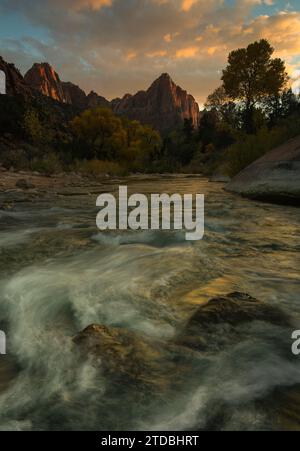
x=118 y=46
x=90 y=4
x=188 y=52
x=187 y=4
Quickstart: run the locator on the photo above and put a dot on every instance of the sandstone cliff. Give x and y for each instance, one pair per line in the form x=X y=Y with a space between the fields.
x=74 y=95
x=43 y=78
x=93 y=100
x=164 y=105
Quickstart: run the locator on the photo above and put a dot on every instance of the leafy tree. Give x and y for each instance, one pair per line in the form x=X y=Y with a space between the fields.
x=252 y=76
x=101 y=131
x=217 y=99
x=32 y=126
x=101 y=135
x=281 y=106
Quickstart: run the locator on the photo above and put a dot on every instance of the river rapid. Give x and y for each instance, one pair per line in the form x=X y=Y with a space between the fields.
x=59 y=274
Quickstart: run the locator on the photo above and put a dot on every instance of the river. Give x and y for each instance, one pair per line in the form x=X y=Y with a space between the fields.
x=59 y=274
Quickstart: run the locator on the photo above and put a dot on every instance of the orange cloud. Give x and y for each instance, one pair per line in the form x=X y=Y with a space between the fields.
x=187 y=4
x=155 y=54
x=78 y=5
x=131 y=56
x=188 y=52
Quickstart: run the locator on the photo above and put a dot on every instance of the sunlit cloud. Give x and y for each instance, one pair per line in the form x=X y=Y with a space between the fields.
x=93 y=4
x=131 y=56
x=188 y=52
x=159 y=53
x=187 y=4
x=118 y=46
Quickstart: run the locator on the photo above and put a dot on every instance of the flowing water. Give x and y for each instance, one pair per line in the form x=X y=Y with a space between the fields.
x=59 y=274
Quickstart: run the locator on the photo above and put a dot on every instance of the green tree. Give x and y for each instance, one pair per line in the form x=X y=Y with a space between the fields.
x=101 y=131
x=252 y=76
x=32 y=126
x=101 y=135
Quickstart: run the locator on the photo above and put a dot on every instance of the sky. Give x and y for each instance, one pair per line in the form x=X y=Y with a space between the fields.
x=121 y=46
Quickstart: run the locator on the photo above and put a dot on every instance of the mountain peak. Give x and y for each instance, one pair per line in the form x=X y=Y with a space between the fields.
x=43 y=78
x=166 y=76
x=164 y=105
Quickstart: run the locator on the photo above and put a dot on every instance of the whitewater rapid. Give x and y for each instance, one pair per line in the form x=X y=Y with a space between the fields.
x=59 y=274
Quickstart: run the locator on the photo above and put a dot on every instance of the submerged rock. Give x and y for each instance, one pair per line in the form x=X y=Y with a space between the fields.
x=228 y=311
x=130 y=358
x=236 y=308
x=274 y=178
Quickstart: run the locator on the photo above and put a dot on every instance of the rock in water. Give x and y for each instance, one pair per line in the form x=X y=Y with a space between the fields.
x=236 y=308
x=228 y=312
x=274 y=178
x=129 y=358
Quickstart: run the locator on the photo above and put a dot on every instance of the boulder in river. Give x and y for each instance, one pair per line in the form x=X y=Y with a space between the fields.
x=227 y=313
x=273 y=178
x=129 y=358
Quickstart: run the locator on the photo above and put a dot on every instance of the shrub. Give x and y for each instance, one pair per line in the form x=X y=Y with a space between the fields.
x=99 y=167
x=249 y=148
x=32 y=126
x=48 y=165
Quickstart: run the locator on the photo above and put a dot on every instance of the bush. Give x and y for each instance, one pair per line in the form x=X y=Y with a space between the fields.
x=98 y=168
x=251 y=147
x=32 y=126
x=14 y=158
x=48 y=165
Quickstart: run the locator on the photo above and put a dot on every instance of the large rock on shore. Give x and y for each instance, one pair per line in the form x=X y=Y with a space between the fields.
x=273 y=178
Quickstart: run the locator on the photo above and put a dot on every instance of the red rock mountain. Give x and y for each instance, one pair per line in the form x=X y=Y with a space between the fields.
x=94 y=101
x=164 y=105
x=74 y=95
x=44 y=79
x=15 y=83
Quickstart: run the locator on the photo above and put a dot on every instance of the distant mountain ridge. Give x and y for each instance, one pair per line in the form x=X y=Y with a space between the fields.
x=164 y=105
